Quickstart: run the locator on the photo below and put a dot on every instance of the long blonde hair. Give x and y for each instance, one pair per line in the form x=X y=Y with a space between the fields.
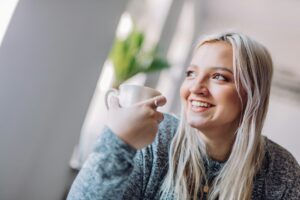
x=253 y=69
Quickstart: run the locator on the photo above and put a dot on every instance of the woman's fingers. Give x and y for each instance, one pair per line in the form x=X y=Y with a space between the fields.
x=159 y=117
x=155 y=102
x=159 y=101
x=138 y=124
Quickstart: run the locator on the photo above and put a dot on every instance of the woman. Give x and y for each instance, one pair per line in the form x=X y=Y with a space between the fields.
x=215 y=151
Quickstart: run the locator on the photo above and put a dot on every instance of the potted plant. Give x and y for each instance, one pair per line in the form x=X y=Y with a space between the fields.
x=129 y=57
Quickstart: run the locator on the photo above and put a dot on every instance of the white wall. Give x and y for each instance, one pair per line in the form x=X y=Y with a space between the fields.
x=50 y=61
x=282 y=124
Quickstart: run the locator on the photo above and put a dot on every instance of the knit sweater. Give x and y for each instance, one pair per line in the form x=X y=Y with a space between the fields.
x=115 y=170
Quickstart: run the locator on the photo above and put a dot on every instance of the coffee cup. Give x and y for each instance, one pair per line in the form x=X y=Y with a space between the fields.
x=129 y=95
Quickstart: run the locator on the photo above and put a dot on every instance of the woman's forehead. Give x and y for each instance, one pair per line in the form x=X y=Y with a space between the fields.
x=213 y=54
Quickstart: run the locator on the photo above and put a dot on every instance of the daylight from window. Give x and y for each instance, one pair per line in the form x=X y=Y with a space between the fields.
x=7 y=8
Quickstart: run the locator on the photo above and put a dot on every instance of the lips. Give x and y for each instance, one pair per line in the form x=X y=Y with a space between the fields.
x=200 y=105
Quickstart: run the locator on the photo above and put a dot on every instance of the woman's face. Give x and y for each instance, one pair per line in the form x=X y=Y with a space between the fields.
x=208 y=92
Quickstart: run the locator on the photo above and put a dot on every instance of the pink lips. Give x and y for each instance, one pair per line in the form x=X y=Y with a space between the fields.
x=199 y=109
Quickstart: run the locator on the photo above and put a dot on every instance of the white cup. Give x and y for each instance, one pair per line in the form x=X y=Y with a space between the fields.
x=130 y=94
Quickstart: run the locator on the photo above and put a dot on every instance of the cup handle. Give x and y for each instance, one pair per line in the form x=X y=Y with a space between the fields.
x=107 y=94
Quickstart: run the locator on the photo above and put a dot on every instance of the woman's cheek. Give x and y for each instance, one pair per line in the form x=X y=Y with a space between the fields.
x=184 y=91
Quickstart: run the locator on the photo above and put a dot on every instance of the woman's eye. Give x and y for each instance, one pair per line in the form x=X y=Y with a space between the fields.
x=190 y=74
x=220 y=77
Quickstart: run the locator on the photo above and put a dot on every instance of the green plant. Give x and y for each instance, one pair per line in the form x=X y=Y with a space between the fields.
x=129 y=58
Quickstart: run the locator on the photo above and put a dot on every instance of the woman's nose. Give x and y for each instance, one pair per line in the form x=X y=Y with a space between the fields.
x=199 y=87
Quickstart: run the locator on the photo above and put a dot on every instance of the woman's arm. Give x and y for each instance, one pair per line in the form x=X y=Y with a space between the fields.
x=106 y=173
x=113 y=167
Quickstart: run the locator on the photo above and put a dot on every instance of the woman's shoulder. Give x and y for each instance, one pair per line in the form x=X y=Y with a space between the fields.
x=279 y=156
x=282 y=171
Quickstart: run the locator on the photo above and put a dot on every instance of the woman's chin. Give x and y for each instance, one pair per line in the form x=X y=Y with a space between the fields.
x=197 y=124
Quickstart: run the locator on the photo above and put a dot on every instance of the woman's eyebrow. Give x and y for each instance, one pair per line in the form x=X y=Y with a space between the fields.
x=222 y=68
x=215 y=68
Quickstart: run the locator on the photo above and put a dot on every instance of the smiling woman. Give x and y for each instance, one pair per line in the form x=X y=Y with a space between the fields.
x=229 y=128
x=215 y=151
x=210 y=98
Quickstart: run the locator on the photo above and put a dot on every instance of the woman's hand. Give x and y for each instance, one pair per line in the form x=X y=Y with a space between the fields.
x=136 y=125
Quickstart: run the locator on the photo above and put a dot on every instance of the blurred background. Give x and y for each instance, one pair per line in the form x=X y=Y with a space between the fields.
x=57 y=57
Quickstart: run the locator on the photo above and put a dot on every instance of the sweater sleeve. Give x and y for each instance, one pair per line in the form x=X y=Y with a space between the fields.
x=106 y=173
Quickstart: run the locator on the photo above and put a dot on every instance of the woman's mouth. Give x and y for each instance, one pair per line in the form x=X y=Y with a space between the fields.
x=200 y=106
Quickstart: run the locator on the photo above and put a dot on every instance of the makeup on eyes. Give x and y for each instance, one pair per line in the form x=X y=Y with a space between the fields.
x=224 y=78
x=188 y=73
x=192 y=71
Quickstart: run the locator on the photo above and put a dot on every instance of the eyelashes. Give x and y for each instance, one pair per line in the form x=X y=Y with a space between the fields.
x=220 y=77
x=190 y=73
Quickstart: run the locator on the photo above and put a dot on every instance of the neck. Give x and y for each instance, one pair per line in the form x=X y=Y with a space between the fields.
x=219 y=150
x=218 y=143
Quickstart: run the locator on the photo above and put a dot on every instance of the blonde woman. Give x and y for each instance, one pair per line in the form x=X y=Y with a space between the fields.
x=214 y=151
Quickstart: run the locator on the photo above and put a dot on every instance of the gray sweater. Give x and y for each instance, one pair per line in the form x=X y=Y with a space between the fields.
x=115 y=170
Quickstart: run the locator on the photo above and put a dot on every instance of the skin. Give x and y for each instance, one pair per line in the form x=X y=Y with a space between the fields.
x=210 y=79
x=138 y=129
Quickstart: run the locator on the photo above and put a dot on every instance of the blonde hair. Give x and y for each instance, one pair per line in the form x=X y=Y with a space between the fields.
x=253 y=69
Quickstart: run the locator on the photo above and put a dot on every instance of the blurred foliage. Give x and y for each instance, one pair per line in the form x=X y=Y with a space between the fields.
x=129 y=58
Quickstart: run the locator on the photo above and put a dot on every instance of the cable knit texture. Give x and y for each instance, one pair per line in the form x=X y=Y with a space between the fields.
x=115 y=170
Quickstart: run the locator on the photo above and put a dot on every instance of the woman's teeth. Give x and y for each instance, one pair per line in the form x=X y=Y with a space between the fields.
x=201 y=104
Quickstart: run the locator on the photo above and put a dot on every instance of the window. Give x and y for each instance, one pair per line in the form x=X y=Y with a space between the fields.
x=7 y=8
